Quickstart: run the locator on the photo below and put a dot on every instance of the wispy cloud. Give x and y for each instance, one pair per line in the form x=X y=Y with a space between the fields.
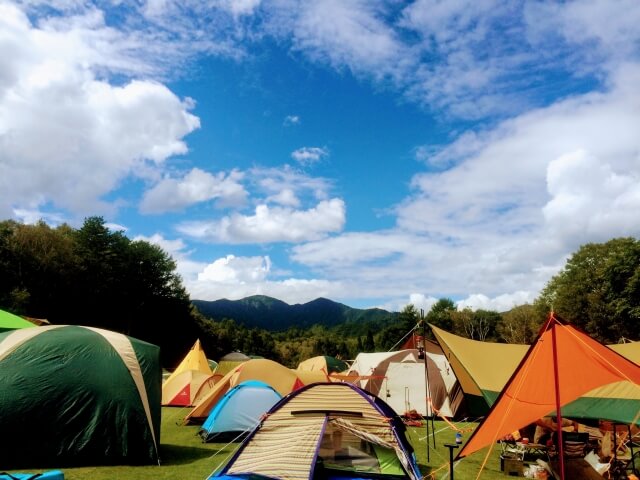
x=309 y=155
x=291 y=120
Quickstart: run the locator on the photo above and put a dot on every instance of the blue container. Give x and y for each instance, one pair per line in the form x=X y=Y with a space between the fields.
x=50 y=475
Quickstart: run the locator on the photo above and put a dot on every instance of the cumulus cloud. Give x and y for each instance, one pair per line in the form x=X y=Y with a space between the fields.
x=238 y=277
x=232 y=269
x=500 y=303
x=309 y=155
x=174 y=194
x=590 y=199
x=100 y=132
x=272 y=224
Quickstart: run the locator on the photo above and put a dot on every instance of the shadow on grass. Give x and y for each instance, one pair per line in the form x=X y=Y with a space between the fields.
x=180 y=455
x=425 y=469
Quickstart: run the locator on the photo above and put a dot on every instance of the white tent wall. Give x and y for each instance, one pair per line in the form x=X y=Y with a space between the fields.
x=400 y=379
x=405 y=388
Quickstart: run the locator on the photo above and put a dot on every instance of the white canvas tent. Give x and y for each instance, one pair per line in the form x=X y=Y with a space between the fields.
x=400 y=379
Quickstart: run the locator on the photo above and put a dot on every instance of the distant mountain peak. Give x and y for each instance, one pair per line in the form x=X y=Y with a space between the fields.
x=272 y=314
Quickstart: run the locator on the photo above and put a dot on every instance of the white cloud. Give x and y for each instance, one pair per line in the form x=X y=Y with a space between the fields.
x=115 y=227
x=590 y=199
x=232 y=269
x=604 y=33
x=291 y=120
x=240 y=7
x=174 y=194
x=238 y=277
x=274 y=181
x=30 y=217
x=101 y=133
x=272 y=224
x=309 y=155
x=500 y=303
x=514 y=202
x=351 y=34
x=285 y=197
x=175 y=248
x=187 y=268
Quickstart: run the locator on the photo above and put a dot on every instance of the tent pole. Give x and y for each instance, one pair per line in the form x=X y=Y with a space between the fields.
x=556 y=378
x=427 y=385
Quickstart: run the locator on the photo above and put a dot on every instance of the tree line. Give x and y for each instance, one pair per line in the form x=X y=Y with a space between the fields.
x=96 y=277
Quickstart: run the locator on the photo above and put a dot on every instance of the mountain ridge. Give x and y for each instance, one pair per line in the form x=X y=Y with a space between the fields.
x=269 y=313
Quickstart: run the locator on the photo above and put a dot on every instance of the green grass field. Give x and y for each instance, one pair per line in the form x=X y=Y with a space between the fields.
x=184 y=456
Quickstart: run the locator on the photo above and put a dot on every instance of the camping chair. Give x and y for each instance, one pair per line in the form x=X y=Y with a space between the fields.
x=575 y=444
x=626 y=453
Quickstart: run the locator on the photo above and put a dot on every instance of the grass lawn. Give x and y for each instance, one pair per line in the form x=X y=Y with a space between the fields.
x=184 y=456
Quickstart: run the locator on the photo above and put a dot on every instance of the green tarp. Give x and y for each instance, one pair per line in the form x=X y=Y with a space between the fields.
x=9 y=321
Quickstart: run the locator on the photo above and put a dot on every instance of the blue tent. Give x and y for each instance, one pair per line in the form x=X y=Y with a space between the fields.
x=239 y=411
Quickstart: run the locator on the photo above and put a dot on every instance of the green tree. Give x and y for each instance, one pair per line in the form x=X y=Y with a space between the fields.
x=369 y=344
x=440 y=314
x=519 y=325
x=599 y=290
x=392 y=336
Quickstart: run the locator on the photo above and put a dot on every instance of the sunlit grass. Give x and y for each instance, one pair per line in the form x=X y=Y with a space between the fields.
x=184 y=456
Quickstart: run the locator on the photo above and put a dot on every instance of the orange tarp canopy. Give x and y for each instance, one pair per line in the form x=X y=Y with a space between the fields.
x=561 y=356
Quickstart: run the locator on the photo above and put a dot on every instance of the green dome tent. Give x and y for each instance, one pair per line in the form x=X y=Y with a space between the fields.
x=9 y=321
x=74 y=395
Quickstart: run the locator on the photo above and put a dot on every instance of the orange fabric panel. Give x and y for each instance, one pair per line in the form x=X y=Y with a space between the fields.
x=582 y=365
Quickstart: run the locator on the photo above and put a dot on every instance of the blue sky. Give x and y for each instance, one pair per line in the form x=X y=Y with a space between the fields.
x=375 y=153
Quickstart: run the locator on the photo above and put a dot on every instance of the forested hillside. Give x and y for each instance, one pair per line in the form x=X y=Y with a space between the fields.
x=272 y=314
x=95 y=277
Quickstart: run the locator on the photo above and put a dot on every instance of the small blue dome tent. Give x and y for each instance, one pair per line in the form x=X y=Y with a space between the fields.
x=239 y=411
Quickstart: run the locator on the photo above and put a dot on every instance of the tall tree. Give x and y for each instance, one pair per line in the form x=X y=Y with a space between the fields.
x=520 y=324
x=599 y=290
x=392 y=336
x=440 y=314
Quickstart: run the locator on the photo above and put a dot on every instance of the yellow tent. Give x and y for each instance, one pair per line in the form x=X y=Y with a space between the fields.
x=282 y=379
x=483 y=369
x=323 y=363
x=192 y=377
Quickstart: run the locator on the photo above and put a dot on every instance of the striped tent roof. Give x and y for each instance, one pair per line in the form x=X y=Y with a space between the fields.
x=287 y=443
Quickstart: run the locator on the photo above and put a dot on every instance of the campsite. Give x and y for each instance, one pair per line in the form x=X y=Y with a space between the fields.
x=367 y=394
x=262 y=419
